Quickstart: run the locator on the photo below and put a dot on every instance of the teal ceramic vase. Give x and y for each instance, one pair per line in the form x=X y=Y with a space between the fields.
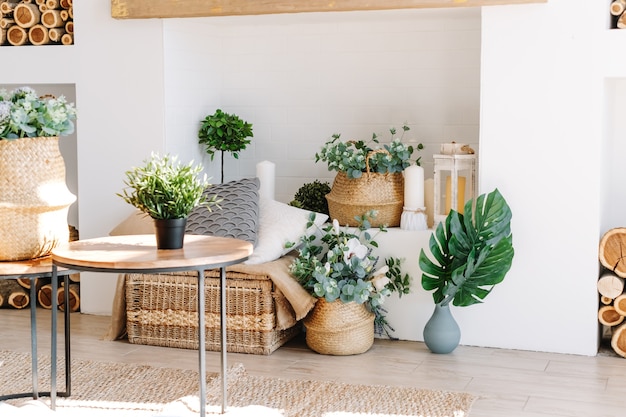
x=442 y=333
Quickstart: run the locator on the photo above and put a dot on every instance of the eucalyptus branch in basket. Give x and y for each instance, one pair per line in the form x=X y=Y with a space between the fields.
x=353 y=157
x=337 y=264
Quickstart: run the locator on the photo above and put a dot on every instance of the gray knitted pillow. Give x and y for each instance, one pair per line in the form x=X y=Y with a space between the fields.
x=238 y=216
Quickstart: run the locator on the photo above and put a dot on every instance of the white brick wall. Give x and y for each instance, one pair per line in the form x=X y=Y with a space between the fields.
x=301 y=78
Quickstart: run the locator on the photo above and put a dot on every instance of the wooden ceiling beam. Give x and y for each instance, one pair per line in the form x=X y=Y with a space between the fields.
x=150 y=9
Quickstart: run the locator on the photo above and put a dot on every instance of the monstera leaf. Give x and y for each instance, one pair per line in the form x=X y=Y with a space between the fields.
x=471 y=253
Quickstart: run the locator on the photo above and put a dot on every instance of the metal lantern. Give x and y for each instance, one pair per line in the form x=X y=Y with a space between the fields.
x=455 y=180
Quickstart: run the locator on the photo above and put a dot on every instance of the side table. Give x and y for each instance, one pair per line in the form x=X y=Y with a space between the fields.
x=138 y=254
x=33 y=269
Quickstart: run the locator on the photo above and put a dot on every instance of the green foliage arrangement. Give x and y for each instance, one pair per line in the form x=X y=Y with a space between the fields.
x=312 y=196
x=224 y=132
x=351 y=156
x=164 y=188
x=24 y=114
x=472 y=252
x=337 y=263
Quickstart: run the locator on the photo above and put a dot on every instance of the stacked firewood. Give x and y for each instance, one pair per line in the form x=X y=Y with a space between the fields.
x=611 y=288
x=15 y=293
x=618 y=9
x=36 y=22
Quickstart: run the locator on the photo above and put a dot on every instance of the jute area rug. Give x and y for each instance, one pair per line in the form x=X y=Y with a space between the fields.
x=123 y=390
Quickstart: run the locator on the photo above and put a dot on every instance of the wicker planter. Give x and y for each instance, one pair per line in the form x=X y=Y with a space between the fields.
x=350 y=197
x=34 y=199
x=339 y=328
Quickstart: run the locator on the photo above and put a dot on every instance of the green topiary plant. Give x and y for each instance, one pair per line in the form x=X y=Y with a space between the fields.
x=312 y=196
x=224 y=132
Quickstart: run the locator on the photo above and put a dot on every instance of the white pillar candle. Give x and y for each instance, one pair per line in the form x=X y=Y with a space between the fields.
x=414 y=187
x=265 y=172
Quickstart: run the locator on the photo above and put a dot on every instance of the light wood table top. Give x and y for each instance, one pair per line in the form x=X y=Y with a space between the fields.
x=29 y=267
x=139 y=252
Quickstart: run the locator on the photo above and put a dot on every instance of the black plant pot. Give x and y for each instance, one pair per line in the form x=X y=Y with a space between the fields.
x=170 y=233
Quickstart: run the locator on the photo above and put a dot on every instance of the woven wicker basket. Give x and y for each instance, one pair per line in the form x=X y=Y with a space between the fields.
x=350 y=197
x=161 y=310
x=34 y=199
x=339 y=328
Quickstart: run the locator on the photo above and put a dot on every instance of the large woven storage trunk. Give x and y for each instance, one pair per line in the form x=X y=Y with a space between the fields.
x=161 y=310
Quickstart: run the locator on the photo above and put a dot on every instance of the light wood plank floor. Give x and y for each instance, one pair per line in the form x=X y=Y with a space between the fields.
x=509 y=383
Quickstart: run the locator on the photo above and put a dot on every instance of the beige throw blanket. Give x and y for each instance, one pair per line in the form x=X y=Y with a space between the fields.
x=300 y=301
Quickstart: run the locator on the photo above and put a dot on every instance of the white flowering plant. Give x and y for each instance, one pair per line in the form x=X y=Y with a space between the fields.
x=25 y=114
x=337 y=263
x=350 y=157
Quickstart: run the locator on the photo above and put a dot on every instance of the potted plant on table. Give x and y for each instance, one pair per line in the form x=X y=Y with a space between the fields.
x=472 y=253
x=224 y=132
x=337 y=266
x=369 y=177
x=34 y=198
x=167 y=190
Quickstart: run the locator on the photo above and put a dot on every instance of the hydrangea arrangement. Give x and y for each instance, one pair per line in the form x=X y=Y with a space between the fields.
x=24 y=114
x=337 y=263
x=350 y=157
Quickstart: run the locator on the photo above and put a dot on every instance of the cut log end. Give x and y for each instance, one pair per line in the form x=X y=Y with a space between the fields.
x=617 y=8
x=618 y=341
x=610 y=285
x=612 y=251
x=19 y=300
x=26 y=15
x=24 y=282
x=44 y=296
x=17 y=35
x=608 y=316
x=13 y=294
x=67 y=39
x=74 y=294
x=52 y=19
x=620 y=304
x=38 y=35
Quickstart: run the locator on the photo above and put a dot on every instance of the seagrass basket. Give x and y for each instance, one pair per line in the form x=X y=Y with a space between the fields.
x=339 y=328
x=352 y=197
x=161 y=310
x=34 y=199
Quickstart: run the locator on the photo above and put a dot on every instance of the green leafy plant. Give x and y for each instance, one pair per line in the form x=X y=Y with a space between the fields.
x=337 y=263
x=351 y=157
x=24 y=114
x=312 y=196
x=164 y=188
x=223 y=132
x=472 y=252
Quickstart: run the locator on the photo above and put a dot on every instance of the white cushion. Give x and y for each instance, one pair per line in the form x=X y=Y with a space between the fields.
x=279 y=224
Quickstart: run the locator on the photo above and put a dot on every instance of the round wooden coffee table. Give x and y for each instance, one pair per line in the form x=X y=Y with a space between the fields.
x=138 y=254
